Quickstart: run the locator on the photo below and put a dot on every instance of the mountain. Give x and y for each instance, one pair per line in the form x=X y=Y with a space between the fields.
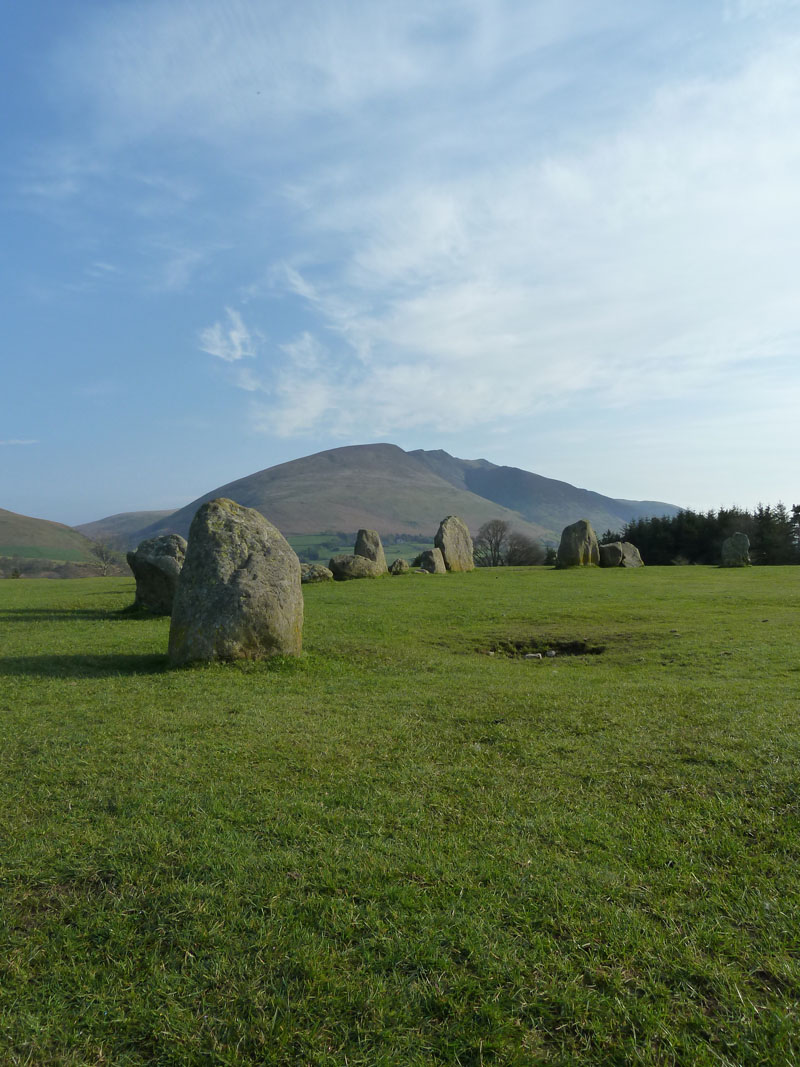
x=381 y=487
x=21 y=535
x=122 y=529
x=545 y=501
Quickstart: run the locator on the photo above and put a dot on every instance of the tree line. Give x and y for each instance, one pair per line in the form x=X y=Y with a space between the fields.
x=695 y=537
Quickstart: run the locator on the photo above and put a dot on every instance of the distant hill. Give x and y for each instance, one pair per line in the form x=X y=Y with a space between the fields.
x=21 y=535
x=382 y=487
x=545 y=501
x=122 y=530
x=379 y=487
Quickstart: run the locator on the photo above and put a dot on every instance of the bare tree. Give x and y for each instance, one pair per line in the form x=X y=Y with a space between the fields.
x=105 y=554
x=524 y=551
x=490 y=542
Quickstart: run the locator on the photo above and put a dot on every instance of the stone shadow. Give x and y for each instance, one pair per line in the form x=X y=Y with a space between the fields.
x=81 y=666
x=127 y=614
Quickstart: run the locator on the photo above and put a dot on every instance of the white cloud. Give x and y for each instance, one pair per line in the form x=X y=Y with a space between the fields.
x=481 y=210
x=20 y=441
x=642 y=264
x=761 y=9
x=230 y=342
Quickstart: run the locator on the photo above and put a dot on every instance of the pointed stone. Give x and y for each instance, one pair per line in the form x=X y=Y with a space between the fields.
x=454 y=542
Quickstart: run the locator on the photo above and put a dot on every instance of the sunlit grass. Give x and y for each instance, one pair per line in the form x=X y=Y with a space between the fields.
x=399 y=849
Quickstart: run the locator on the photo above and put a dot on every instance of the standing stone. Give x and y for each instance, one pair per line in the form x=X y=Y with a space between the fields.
x=620 y=554
x=345 y=567
x=611 y=554
x=578 y=546
x=432 y=561
x=239 y=594
x=368 y=545
x=400 y=566
x=314 y=572
x=454 y=542
x=631 y=556
x=736 y=551
x=156 y=566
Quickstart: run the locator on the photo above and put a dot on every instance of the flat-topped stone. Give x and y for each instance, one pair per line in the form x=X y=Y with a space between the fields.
x=314 y=572
x=345 y=567
x=620 y=554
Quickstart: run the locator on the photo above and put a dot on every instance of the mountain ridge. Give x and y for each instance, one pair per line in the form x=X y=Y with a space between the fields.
x=383 y=487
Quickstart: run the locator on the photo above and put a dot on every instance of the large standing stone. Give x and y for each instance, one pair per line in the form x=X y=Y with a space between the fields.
x=345 y=567
x=400 y=566
x=368 y=545
x=578 y=546
x=736 y=551
x=454 y=542
x=156 y=566
x=432 y=561
x=620 y=554
x=314 y=572
x=239 y=594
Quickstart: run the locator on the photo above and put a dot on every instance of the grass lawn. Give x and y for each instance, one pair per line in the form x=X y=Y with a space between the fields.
x=400 y=849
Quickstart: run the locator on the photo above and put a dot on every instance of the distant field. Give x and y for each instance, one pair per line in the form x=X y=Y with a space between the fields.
x=401 y=849
x=322 y=546
x=60 y=554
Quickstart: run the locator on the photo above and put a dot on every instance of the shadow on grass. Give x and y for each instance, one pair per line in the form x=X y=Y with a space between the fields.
x=128 y=614
x=81 y=666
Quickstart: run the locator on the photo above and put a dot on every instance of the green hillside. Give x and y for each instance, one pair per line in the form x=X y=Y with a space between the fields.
x=29 y=538
x=122 y=529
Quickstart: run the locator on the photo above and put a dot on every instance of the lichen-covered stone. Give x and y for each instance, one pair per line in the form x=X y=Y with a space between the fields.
x=239 y=594
x=611 y=554
x=454 y=542
x=314 y=572
x=736 y=551
x=156 y=566
x=368 y=545
x=345 y=567
x=620 y=554
x=578 y=546
x=400 y=566
x=432 y=561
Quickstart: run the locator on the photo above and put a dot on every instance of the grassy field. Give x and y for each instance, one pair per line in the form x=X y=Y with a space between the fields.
x=321 y=547
x=39 y=552
x=400 y=849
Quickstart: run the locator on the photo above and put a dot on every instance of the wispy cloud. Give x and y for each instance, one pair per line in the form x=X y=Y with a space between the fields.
x=20 y=441
x=645 y=263
x=230 y=342
x=474 y=212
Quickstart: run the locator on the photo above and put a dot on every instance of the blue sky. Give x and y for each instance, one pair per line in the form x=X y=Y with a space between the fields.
x=558 y=234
